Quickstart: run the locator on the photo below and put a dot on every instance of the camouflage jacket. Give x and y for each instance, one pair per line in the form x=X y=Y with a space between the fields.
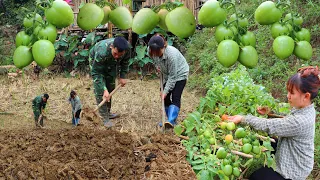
x=103 y=64
x=38 y=104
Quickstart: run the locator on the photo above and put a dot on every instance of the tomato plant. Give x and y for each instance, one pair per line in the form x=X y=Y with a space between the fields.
x=248 y=39
x=181 y=22
x=47 y=32
x=59 y=13
x=248 y=56
x=145 y=21
x=162 y=18
x=242 y=20
x=22 y=39
x=224 y=32
x=283 y=46
x=303 y=35
x=210 y=144
x=303 y=50
x=247 y=148
x=22 y=57
x=90 y=16
x=211 y=14
x=267 y=13
x=228 y=52
x=121 y=17
x=240 y=133
x=43 y=53
x=106 y=12
x=296 y=19
x=278 y=29
x=33 y=19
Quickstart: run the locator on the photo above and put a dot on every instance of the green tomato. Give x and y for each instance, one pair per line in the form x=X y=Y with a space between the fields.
x=223 y=125
x=236 y=172
x=43 y=53
x=201 y=137
x=297 y=20
x=90 y=16
x=248 y=57
x=242 y=21
x=226 y=161
x=60 y=14
x=22 y=39
x=283 y=46
x=212 y=140
x=245 y=140
x=247 y=148
x=145 y=21
x=248 y=39
x=22 y=57
x=256 y=142
x=278 y=29
x=211 y=14
x=236 y=164
x=222 y=33
x=303 y=50
x=256 y=149
x=162 y=15
x=227 y=170
x=207 y=133
x=228 y=52
x=181 y=22
x=231 y=126
x=49 y=33
x=221 y=153
x=267 y=13
x=303 y=35
x=28 y=21
x=240 y=133
x=106 y=13
x=121 y=17
x=207 y=151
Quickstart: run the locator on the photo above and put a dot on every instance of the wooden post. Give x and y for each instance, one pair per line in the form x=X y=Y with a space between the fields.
x=110 y=25
x=130 y=30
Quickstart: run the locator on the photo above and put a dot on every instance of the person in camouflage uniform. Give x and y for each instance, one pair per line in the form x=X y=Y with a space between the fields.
x=38 y=105
x=108 y=58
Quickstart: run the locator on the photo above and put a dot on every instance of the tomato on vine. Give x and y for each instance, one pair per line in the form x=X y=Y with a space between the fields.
x=267 y=13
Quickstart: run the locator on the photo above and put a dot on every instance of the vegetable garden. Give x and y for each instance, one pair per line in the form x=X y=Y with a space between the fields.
x=240 y=60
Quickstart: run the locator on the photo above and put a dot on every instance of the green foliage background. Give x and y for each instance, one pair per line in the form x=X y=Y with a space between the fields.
x=271 y=72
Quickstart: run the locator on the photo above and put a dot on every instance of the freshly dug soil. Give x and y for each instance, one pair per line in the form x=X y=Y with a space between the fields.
x=87 y=153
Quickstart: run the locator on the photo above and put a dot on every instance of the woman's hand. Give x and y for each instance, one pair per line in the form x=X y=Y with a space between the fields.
x=263 y=110
x=163 y=96
x=236 y=119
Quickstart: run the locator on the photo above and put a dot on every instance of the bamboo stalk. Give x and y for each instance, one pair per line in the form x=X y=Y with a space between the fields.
x=265 y=138
x=241 y=154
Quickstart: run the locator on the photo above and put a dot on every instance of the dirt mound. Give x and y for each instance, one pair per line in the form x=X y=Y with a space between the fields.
x=84 y=153
x=77 y=153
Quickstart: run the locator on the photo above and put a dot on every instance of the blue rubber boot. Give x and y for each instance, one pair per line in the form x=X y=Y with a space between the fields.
x=173 y=113
x=77 y=121
x=73 y=121
x=166 y=109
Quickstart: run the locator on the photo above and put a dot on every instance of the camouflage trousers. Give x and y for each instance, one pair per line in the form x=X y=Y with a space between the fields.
x=104 y=110
x=37 y=113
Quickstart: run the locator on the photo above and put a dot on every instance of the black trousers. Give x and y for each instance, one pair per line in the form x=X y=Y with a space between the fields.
x=266 y=173
x=174 y=96
x=78 y=113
